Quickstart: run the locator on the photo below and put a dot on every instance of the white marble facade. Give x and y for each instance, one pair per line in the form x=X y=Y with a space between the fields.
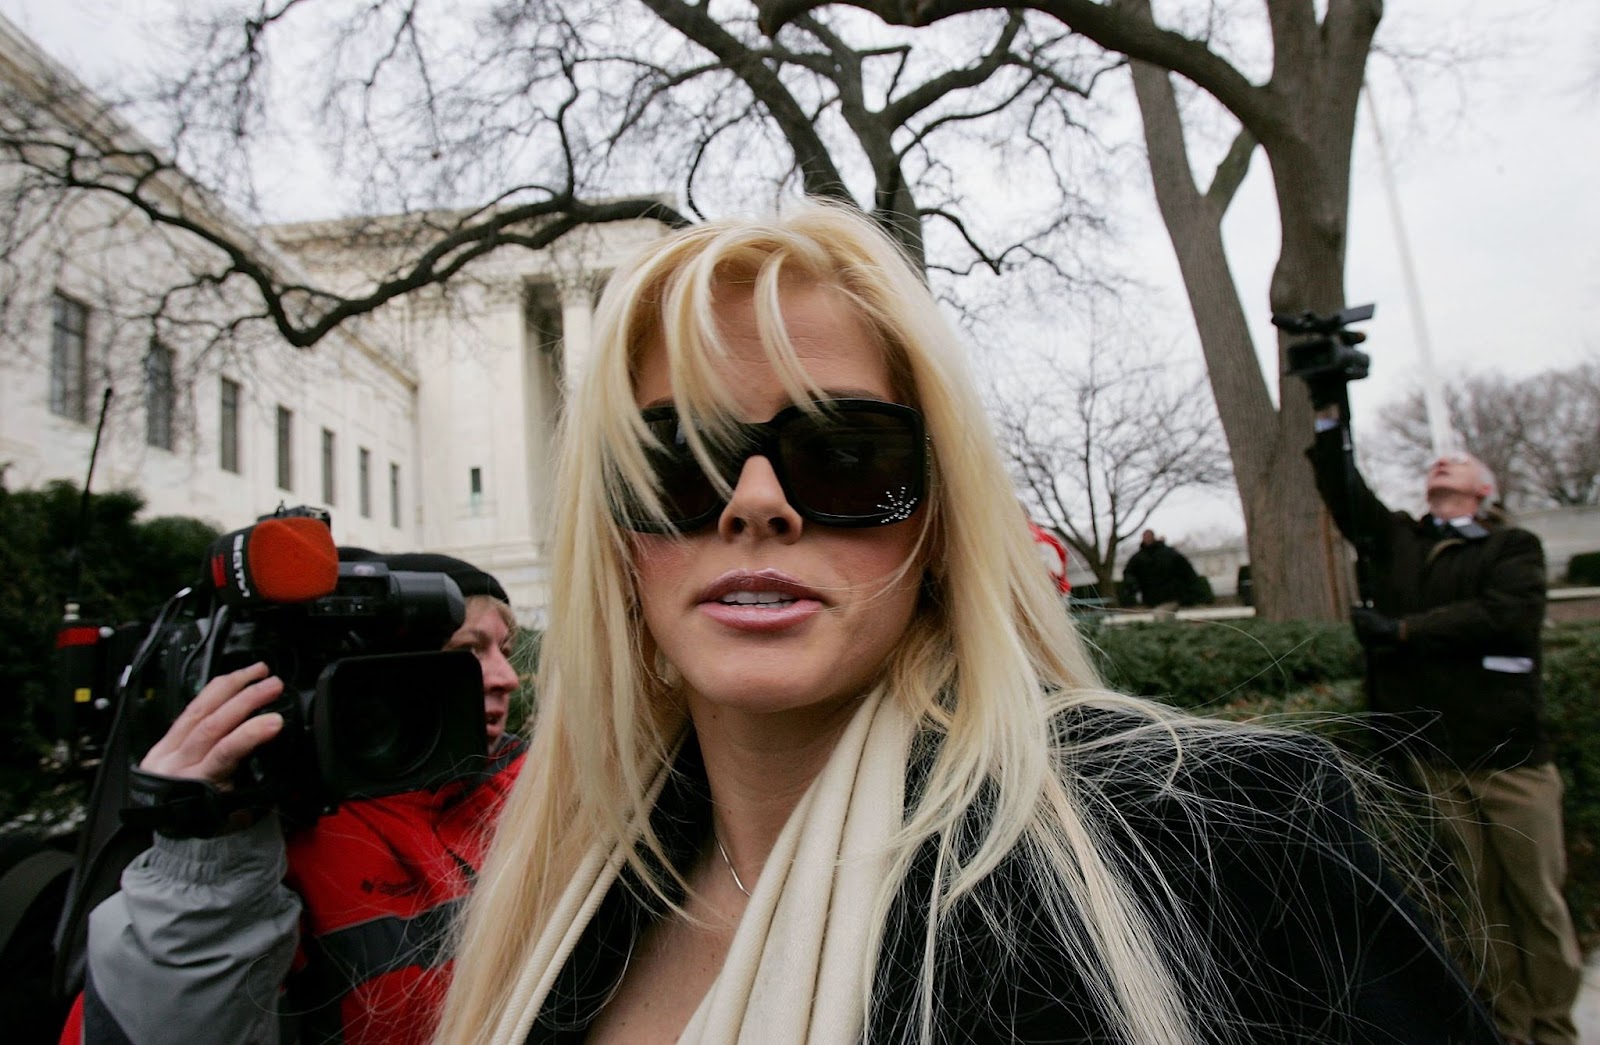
x=443 y=405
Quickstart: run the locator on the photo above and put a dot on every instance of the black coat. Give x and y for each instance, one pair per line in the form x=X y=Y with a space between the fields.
x=1309 y=938
x=1464 y=687
x=1162 y=574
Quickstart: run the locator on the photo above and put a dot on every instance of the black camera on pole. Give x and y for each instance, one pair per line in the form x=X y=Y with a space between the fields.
x=1323 y=354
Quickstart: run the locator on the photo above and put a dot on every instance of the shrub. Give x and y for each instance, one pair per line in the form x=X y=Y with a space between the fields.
x=1584 y=569
x=1571 y=681
x=1206 y=664
x=119 y=569
x=1200 y=593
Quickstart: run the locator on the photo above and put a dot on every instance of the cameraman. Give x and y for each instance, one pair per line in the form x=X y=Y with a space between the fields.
x=1453 y=644
x=201 y=944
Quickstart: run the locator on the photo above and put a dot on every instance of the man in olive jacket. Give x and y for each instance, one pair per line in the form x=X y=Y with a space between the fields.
x=1453 y=638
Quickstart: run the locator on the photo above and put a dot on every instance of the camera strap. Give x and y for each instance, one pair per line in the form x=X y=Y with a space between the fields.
x=180 y=808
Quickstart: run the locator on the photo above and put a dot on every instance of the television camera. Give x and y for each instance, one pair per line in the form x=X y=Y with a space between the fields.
x=371 y=704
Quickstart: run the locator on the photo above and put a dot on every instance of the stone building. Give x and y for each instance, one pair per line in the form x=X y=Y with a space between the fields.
x=425 y=425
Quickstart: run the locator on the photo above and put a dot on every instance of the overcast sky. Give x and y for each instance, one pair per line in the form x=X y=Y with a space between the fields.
x=1497 y=175
x=1498 y=186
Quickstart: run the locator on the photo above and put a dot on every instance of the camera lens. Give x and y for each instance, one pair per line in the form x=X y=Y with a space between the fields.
x=390 y=722
x=382 y=736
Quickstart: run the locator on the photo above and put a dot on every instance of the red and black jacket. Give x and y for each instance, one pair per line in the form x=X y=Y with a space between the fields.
x=382 y=879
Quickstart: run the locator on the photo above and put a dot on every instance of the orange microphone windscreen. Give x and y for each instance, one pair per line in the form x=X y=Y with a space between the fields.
x=292 y=559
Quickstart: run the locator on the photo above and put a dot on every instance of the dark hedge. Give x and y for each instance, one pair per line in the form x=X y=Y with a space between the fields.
x=119 y=568
x=1584 y=569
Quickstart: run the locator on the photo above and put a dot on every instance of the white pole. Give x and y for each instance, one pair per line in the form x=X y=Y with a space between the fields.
x=1432 y=397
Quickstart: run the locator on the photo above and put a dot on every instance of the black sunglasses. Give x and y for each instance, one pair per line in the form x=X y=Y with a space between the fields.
x=841 y=462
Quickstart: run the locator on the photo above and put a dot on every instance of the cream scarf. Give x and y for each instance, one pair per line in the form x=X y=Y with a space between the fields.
x=795 y=972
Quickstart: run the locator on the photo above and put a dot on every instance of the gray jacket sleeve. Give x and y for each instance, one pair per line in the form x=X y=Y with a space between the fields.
x=196 y=945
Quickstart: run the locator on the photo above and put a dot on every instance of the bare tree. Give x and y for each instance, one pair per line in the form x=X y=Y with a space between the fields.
x=1562 y=452
x=60 y=147
x=1096 y=446
x=506 y=125
x=1481 y=413
x=1540 y=434
x=1302 y=115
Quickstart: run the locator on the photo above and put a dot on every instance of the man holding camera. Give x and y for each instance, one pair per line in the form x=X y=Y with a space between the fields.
x=1453 y=645
x=332 y=930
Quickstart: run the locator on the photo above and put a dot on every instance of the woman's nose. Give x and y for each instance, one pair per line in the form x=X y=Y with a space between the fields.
x=758 y=505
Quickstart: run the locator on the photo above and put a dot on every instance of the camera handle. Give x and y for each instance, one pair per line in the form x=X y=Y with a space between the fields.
x=1363 y=543
x=1339 y=363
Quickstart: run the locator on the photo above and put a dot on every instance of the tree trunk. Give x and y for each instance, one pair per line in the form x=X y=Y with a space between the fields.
x=1311 y=180
x=1284 y=519
x=1105 y=580
x=1304 y=119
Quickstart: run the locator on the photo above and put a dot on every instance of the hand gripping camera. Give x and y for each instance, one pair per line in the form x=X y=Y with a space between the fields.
x=371 y=705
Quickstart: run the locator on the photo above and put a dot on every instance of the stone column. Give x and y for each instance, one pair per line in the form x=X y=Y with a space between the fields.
x=576 y=292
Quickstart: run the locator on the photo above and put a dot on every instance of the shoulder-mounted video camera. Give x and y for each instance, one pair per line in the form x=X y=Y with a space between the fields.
x=1323 y=349
x=371 y=704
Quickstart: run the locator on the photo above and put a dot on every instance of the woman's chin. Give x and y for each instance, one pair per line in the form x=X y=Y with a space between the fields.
x=775 y=697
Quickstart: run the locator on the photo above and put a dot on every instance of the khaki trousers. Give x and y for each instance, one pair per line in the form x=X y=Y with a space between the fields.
x=1503 y=831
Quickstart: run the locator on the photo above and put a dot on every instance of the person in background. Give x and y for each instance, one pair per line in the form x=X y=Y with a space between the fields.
x=1453 y=639
x=318 y=932
x=1161 y=576
x=1055 y=556
x=821 y=757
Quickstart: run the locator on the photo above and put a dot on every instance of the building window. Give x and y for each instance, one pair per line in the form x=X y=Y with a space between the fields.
x=330 y=485
x=364 y=481
x=285 y=448
x=394 y=495
x=159 y=396
x=228 y=440
x=475 y=488
x=69 y=358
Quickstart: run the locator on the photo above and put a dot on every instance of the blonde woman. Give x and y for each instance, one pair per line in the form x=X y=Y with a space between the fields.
x=820 y=757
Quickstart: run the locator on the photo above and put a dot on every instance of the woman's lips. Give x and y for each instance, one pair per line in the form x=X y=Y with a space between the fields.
x=759 y=601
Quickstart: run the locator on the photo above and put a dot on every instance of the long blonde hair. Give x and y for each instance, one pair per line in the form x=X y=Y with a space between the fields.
x=989 y=662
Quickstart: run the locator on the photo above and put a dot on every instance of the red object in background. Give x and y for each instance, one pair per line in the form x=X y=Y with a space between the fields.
x=77 y=635
x=1054 y=554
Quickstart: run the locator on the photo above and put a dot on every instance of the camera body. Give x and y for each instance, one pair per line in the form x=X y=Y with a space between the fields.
x=1324 y=351
x=371 y=705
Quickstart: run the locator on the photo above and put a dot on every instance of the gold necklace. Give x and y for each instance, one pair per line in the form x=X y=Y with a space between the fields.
x=725 y=860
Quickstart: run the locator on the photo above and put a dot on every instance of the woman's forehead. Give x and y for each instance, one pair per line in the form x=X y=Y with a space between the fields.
x=812 y=334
